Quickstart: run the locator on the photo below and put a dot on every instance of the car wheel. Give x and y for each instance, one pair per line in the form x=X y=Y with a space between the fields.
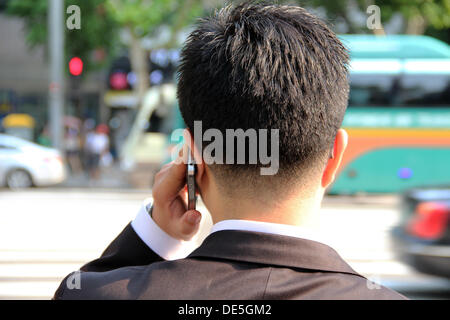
x=18 y=179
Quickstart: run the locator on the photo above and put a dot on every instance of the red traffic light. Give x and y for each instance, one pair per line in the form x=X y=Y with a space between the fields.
x=75 y=66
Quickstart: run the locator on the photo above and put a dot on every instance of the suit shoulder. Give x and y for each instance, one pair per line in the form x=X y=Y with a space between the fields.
x=285 y=283
x=122 y=283
x=361 y=288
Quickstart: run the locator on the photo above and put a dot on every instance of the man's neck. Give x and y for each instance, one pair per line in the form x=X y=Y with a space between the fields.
x=296 y=211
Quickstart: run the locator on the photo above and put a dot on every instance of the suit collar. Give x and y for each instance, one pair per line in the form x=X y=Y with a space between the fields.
x=271 y=249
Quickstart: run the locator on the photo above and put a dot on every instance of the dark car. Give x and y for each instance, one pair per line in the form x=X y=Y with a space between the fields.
x=422 y=239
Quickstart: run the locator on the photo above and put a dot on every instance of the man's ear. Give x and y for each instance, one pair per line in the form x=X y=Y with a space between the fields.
x=189 y=141
x=340 y=144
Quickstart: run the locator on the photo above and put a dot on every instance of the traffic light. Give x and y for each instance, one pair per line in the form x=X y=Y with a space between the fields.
x=75 y=66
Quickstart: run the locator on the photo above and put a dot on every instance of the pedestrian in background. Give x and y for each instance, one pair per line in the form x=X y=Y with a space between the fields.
x=96 y=147
x=44 y=138
x=72 y=146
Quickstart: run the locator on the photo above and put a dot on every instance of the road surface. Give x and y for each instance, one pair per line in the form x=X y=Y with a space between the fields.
x=47 y=233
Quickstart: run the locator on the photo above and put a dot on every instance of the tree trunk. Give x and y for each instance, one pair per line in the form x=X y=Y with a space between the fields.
x=416 y=25
x=140 y=66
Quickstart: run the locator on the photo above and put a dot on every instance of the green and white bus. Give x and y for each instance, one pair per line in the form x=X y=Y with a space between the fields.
x=398 y=118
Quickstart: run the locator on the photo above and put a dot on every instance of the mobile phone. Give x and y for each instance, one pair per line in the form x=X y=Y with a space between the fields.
x=190 y=181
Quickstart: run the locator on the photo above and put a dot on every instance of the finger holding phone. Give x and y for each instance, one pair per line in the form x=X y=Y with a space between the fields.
x=173 y=205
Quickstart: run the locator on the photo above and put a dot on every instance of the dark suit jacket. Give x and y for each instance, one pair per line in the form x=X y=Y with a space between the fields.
x=228 y=265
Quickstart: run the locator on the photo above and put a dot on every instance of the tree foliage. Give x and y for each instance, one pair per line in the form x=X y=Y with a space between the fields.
x=91 y=43
x=101 y=19
x=143 y=17
x=433 y=14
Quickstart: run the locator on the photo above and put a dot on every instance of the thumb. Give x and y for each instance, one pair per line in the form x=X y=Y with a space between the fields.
x=190 y=222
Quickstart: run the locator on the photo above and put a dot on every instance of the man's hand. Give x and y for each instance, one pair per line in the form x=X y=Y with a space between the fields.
x=170 y=202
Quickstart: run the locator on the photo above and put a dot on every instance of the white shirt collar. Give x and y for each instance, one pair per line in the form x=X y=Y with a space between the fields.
x=170 y=248
x=266 y=227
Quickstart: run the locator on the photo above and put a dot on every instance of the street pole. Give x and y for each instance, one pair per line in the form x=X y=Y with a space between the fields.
x=56 y=85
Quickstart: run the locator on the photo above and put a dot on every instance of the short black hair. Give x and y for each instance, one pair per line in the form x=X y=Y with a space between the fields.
x=266 y=66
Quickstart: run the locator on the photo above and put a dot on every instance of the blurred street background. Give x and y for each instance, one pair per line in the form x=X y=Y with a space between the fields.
x=88 y=105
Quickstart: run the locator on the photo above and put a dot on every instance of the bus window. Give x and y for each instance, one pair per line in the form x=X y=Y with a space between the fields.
x=400 y=90
x=367 y=90
x=425 y=90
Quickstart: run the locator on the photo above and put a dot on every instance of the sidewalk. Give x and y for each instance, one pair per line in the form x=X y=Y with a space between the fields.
x=110 y=178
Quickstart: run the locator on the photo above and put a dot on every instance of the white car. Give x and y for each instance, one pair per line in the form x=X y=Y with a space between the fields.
x=24 y=164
